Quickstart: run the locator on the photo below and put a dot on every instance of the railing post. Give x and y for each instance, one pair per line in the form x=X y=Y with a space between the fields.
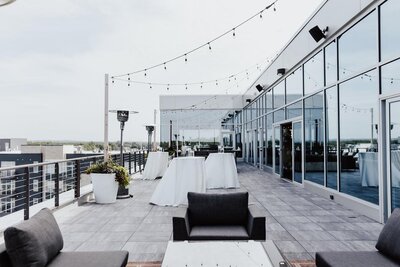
x=134 y=160
x=130 y=162
x=27 y=194
x=57 y=186
x=78 y=178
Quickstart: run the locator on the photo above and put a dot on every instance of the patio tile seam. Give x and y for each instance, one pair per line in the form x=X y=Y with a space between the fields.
x=279 y=224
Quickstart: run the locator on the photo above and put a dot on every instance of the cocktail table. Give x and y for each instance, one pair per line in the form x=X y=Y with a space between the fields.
x=221 y=254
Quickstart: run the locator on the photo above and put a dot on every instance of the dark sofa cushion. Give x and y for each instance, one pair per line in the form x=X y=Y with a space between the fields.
x=353 y=259
x=389 y=238
x=220 y=232
x=218 y=209
x=34 y=242
x=91 y=259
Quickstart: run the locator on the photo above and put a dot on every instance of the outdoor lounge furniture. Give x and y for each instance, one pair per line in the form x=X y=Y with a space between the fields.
x=218 y=217
x=38 y=242
x=388 y=247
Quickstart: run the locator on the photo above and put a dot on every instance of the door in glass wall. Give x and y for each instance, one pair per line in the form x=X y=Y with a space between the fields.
x=286 y=151
x=297 y=152
x=277 y=149
x=393 y=129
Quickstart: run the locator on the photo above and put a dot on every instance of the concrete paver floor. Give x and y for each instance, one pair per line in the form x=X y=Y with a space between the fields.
x=298 y=221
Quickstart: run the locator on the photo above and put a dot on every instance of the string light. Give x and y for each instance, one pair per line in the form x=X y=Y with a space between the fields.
x=261 y=15
x=233 y=33
x=201 y=83
x=165 y=66
x=145 y=72
x=184 y=55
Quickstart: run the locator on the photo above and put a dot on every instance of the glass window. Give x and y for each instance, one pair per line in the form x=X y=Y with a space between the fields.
x=269 y=140
x=277 y=136
x=294 y=85
x=279 y=115
x=269 y=106
x=314 y=139
x=331 y=136
x=294 y=110
x=390 y=34
x=314 y=74
x=330 y=63
x=358 y=46
x=358 y=137
x=279 y=95
x=391 y=78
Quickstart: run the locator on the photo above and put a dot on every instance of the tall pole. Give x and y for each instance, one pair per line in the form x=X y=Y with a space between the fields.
x=105 y=117
x=155 y=130
x=122 y=146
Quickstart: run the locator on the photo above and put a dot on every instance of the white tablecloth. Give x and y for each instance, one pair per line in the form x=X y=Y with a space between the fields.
x=156 y=165
x=368 y=162
x=221 y=171
x=186 y=174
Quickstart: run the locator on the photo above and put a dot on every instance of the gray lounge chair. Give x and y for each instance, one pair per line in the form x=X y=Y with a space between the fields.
x=387 y=254
x=38 y=242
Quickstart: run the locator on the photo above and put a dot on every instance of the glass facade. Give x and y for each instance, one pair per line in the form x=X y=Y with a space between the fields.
x=333 y=98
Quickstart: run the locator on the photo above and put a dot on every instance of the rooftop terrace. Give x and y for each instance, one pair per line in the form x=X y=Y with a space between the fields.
x=298 y=221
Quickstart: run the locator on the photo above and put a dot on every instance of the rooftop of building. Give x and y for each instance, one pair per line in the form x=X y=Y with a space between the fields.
x=298 y=221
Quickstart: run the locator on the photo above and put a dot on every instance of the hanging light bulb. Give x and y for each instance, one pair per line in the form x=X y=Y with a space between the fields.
x=145 y=72
x=129 y=84
x=261 y=15
x=186 y=86
x=185 y=58
x=274 y=7
x=233 y=33
x=151 y=87
x=209 y=45
x=201 y=85
x=216 y=82
x=165 y=66
x=112 y=81
x=129 y=78
x=168 y=87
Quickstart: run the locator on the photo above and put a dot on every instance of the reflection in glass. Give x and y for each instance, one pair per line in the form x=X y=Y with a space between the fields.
x=358 y=137
x=391 y=78
x=279 y=95
x=330 y=63
x=294 y=110
x=279 y=115
x=331 y=136
x=277 y=135
x=269 y=140
x=390 y=34
x=286 y=150
x=294 y=86
x=314 y=74
x=395 y=153
x=314 y=138
x=297 y=149
x=358 y=46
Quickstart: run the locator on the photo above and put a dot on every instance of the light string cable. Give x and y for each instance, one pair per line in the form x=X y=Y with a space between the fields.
x=233 y=77
x=207 y=44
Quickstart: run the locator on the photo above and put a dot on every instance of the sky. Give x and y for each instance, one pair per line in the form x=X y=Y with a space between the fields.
x=54 y=55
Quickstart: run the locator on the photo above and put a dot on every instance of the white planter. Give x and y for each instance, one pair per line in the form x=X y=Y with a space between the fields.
x=104 y=187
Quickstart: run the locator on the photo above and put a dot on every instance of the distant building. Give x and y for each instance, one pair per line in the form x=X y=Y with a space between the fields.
x=12 y=144
x=42 y=179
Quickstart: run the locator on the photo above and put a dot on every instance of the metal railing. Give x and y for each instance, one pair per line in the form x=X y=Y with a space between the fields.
x=56 y=182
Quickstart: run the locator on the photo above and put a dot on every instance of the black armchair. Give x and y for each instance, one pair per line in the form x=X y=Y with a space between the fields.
x=218 y=217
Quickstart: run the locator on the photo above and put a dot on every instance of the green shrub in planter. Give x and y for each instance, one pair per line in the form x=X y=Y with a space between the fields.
x=121 y=173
